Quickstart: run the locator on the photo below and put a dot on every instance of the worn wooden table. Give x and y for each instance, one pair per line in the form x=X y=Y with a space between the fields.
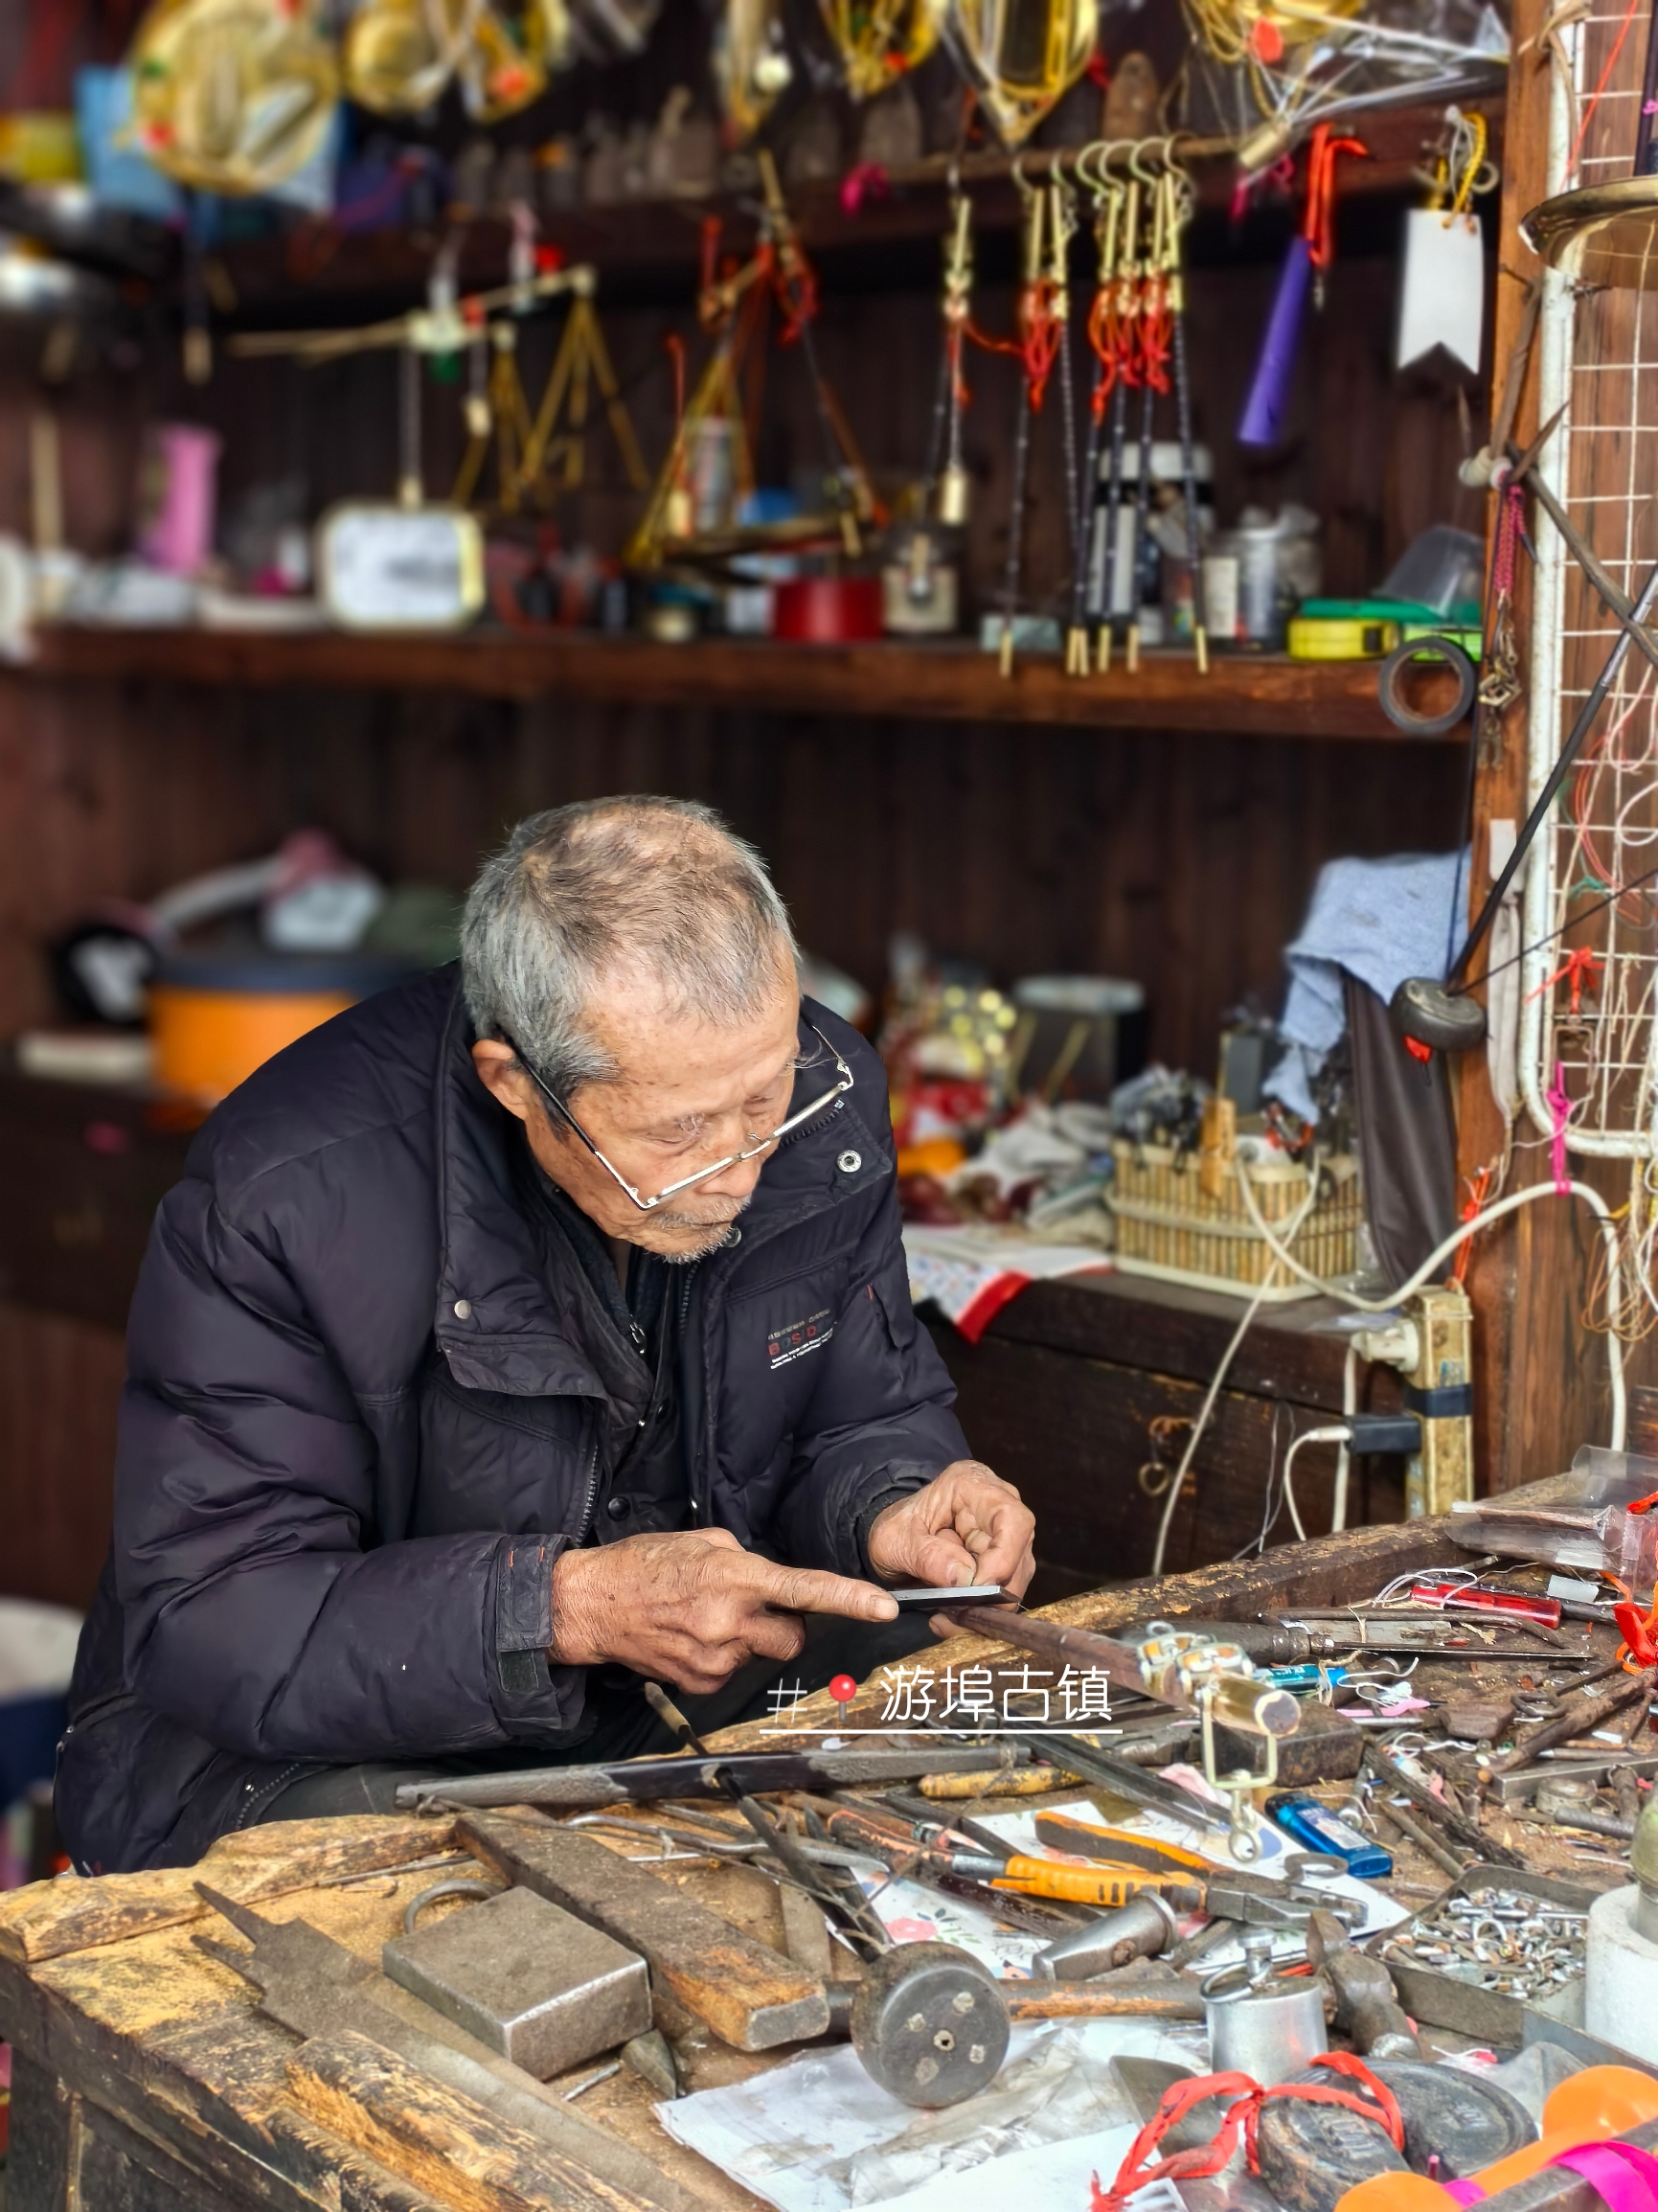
x=144 y=2077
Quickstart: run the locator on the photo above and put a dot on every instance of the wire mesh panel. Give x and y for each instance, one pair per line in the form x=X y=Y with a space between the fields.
x=1589 y=1040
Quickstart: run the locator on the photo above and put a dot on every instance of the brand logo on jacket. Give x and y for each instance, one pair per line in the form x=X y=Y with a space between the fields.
x=796 y=1339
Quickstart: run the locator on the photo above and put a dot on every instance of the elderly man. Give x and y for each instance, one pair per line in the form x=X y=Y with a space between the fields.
x=513 y=1340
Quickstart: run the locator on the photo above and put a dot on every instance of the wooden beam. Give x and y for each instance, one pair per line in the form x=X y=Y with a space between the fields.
x=1248 y=695
x=1540 y=1379
x=749 y=1994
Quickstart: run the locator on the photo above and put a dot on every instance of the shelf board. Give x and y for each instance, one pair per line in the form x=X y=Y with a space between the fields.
x=1244 y=695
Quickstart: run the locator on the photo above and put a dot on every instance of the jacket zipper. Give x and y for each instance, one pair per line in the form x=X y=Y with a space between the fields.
x=586 y=1520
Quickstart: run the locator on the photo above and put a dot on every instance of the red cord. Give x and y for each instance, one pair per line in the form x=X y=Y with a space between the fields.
x=1594 y=100
x=1134 y=2174
x=1318 y=223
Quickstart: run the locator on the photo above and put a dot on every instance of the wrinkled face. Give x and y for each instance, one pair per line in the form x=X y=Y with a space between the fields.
x=689 y=1094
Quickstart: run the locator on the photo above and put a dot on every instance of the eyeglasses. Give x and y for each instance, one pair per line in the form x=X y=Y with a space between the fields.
x=715 y=1167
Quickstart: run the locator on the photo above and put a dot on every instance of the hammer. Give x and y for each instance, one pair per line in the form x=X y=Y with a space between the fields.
x=1367 y=2006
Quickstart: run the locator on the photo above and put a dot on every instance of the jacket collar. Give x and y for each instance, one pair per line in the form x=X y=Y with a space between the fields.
x=497 y=1319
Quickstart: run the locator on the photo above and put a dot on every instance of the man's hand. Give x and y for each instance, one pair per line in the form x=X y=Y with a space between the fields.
x=692 y=1608
x=966 y=1526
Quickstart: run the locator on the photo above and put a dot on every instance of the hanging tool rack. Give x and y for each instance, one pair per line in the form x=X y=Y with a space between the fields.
x=1588 y=1048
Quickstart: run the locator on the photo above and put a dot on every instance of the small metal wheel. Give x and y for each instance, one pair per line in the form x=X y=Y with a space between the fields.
x=1390 y=685
x=929 y=2024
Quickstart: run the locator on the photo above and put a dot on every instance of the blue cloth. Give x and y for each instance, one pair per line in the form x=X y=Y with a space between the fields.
x=1380 y=921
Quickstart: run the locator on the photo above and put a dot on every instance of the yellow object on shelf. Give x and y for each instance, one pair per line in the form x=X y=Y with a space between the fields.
x=1324 y=637
x=39 y=146
x=932 y=1157
x=1169 y=1226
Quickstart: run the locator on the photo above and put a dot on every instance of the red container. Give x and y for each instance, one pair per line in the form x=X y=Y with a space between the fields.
x=827 y=610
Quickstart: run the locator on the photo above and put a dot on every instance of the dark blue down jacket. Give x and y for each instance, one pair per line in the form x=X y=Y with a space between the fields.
x=360 y=1424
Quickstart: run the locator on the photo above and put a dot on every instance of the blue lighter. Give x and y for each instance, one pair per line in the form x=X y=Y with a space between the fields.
x=1321 y=1830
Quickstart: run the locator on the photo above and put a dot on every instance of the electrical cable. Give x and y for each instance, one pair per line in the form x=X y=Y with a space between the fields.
x=1344 y=1457
x=1207 y=1408
x=1336 y=1433
x=1444 y=1250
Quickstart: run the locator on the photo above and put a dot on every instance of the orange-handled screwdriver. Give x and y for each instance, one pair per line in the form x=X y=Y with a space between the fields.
x=1084 y=1884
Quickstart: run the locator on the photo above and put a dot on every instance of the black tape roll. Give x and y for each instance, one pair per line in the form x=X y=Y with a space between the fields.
x=1404 y=716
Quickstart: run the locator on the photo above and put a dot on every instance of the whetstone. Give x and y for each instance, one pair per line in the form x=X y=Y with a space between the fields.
x=750 y=1995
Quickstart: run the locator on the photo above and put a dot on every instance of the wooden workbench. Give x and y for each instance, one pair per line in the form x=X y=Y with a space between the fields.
x=144 y=2077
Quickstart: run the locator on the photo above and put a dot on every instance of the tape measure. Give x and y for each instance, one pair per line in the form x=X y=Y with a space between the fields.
x=1343 y=631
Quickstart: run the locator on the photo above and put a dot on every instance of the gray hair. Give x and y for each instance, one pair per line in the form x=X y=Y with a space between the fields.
x=581 y=893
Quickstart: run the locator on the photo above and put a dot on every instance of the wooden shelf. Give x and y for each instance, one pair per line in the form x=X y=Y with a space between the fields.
x=1241 y=696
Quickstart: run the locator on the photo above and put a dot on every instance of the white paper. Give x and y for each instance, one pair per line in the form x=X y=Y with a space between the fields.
x=1445 y=288
x=1019 y=1829
x=817 y=2134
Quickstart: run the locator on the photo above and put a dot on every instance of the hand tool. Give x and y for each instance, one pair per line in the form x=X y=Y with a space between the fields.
x=1367 y=2006
x=1133 y=1783
x=1166 y=1998
x=1183 y=202
x=943 y=1597
x=1006 y=1782
x=642 y=1781
x=1120 y=1846
x=315 y=1987
x=526 y=1977
x=1106 y=1886
x=1468 y=1835
x=1141 y=1929
x=1126 y=340
x=1432 y=1635
x=1321 y=1830
x=929 y=1860
x=1109 y=201
x=1034 y=207
x=929 y=2024
x=1462 y=1598
x=1578 y=1716
x=1239 y=1900
x=843 y=1898
x=1426 y=1844
x=749 y=1994
x=1119 y=1661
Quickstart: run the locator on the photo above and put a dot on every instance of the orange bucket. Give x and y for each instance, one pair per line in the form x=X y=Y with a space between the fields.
x=214 y=1019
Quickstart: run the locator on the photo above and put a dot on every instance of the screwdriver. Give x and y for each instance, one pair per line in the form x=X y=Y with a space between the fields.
x=1517 y=1605
x=1100 y=1885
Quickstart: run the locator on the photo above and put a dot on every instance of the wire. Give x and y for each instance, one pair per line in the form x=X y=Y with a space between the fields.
x=1205 y=1409
x=1441 y=1252
x=1344 y=1457
x=1338 y=1434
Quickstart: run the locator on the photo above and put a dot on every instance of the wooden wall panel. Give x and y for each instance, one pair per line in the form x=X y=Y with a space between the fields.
x=1185 y=861
x=60 y=1381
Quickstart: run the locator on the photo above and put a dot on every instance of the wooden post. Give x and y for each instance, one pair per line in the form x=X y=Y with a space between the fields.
x=1540 y=1377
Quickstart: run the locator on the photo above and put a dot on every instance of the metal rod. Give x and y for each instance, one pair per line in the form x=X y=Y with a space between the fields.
x=1587 y=715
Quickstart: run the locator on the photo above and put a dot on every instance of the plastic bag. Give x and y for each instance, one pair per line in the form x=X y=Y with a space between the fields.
x=1580 y=1521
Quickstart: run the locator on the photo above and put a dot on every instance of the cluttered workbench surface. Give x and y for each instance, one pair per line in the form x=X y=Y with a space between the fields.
x=961 y=1930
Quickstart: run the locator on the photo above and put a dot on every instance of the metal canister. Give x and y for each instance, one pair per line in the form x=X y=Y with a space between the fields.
x=1267 y=2025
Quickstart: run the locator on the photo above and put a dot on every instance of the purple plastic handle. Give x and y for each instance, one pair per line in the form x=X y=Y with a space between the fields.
x=1269 y=391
